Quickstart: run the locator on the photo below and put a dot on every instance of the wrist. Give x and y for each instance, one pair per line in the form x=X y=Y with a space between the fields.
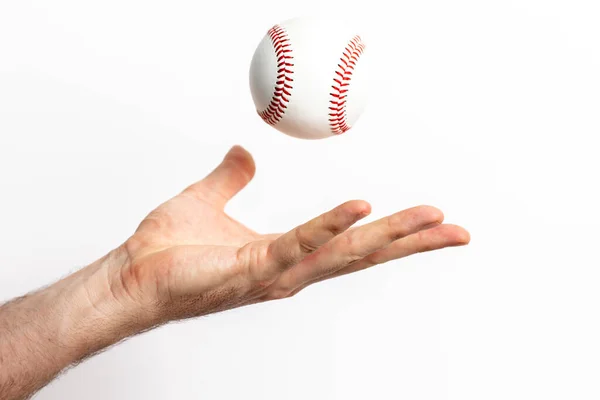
x=44 y=332
x=102 y=311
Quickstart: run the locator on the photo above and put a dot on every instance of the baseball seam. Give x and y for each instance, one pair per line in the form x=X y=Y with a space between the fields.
x=283 y=84
x=341 y=82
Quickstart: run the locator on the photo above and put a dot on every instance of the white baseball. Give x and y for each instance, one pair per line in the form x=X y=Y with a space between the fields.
x=308 y=77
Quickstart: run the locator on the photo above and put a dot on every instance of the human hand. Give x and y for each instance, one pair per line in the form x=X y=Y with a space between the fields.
x=189 y=258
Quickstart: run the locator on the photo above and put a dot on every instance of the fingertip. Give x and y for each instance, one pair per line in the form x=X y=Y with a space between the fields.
x=433 y=213
x=237 y=149
x=360 y=208
x=463 y=237
x=364 y=208
x=242 y=158
x=457 y=235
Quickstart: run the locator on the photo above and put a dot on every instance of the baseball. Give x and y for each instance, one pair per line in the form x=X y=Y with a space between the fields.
x=308 y=77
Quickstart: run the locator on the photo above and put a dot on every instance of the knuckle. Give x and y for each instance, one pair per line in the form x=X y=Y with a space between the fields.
x=330 y=223
x=351 y=249
x=151 y=223
x=306 y=248
x=348 y=241
x=424 y=245
x=254 y=256
x=334 y=229
x=370 y=261
x=397 y=226
x=352 y=258
x=305 y=245
x=278 y=294
x=281 y=289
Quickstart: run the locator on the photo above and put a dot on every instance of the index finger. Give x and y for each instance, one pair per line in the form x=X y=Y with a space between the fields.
x=290 y=248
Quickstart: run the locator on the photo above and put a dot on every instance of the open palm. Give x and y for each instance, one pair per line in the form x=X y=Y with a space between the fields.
x=191 y=258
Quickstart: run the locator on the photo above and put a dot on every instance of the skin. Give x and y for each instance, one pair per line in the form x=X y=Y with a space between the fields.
x=188 y=258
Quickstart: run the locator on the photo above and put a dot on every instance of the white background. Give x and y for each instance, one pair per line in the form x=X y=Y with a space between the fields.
x=488 y=110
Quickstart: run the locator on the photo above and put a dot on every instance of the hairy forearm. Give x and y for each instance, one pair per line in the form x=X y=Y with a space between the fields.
x=45 y=332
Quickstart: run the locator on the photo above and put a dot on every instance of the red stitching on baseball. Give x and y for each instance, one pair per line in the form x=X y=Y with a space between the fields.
x=341 y=81
x=276 y=108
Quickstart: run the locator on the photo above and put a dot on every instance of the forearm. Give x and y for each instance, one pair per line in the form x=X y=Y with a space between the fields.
x=43 y=333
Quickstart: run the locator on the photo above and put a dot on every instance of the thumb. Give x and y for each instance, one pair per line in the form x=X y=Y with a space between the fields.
x=227 y=179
